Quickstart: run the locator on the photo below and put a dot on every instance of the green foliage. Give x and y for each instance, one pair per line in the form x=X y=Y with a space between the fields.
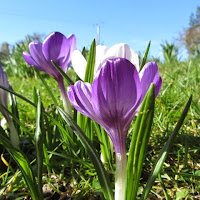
x=67 y=154
x=24 y=166
x=170 y=52
x=195 y=18
x=144 y=59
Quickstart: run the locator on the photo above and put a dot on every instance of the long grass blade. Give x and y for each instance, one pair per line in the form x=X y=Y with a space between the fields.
x=47 y=87
x=83 y=121
x=89 y=73
x=164 y=152
x=16 y=119
x=145 y=56
x=67 y=138
x=139 y=143
x=68 y=79
x=24 y=166
x=102 y=174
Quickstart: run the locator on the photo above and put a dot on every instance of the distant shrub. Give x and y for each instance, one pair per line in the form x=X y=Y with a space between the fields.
x=14 y=63
x=170 y=52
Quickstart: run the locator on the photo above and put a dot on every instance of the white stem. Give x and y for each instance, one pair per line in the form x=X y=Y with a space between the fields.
x=120 y=176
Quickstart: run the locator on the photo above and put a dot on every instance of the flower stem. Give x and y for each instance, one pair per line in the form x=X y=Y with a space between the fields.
x=66 y=103
x=120 y=176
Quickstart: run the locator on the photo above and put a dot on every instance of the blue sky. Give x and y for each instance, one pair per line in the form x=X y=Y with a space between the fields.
x=134 y=22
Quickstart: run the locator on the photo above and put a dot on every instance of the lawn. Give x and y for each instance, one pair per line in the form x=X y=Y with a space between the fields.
x=67 y=171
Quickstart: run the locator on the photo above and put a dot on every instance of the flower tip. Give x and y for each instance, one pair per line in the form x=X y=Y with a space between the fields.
x=71 y=35
x=53 y=35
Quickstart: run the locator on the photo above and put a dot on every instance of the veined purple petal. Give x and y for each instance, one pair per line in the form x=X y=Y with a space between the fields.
x=117 y=88
x=37 y=55
x=56 y=47
x=79 y=95
x=116 y=93
x=114 y=96
x=148 y=75
x=28 y=58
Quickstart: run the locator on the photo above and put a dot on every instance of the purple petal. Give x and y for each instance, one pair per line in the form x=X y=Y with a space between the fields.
x=111 y=100
x=37 y=55
x=72 y=42
x=72 y=45
x=79 y=95
x=56 y=47
x=116 y=88
x=148 y=75
x=28 y=58
x=116 y=93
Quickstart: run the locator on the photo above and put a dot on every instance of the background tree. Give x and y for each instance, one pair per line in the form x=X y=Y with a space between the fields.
x=191 y=35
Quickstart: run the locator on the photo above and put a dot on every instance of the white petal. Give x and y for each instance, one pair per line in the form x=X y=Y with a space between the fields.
x=100 y=52
x=122 y=50
x=79 y=64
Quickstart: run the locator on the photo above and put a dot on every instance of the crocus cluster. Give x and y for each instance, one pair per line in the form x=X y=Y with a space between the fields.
x=58 y=48
x=114 y=97
x=14 y=138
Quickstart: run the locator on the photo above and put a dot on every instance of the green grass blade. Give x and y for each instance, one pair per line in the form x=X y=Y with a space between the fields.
x=47 y=87
x=68 y=79
x=18 y=95
x=16 y=119
x=163 y=187
x=89 y=73
x=105 y=145
x=39 y=144
x=139 y=143
x=24 y=166
x=102 y=174
x=47 y=159
x=82 y=120
x=72 y=158
x=67 y=138
x=164 y=152
x=145 y=56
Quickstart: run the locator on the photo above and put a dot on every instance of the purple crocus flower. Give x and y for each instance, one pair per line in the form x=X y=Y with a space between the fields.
x=14 y=138
x=105 y=101
x=112 y=101
x=55 y=47
x=114 y=96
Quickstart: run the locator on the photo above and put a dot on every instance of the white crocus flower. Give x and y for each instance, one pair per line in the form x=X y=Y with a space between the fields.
x=103 y=53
